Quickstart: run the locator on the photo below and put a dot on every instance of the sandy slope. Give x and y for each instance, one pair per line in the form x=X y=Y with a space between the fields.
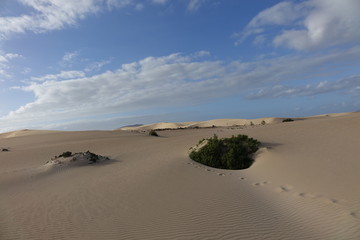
x=303 y=185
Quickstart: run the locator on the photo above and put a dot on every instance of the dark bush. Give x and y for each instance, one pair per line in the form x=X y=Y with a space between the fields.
x=226 y=153
x=152 y=132
x=288 y=120
x=66 y=154
x=93 y=157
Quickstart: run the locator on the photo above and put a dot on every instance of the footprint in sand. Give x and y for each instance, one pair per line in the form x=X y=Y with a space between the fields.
x=242 y=178
x=334 y=201
x=221 y=174
x=285 y=188
x=309 y=195
x=258 y=184
x=355 y=214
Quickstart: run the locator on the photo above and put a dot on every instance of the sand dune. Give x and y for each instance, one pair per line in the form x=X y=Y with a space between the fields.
x=205 y=124
x=24 y=132
x=303 y=184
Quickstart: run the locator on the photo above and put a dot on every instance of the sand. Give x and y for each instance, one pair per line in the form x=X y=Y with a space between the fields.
x=303 y=184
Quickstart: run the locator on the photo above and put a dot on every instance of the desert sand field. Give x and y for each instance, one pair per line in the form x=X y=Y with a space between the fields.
x=304 y=183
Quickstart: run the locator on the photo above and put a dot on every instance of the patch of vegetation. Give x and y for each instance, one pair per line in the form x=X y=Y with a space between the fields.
x=226 y=153
x=263 y=122
x=288 y=120
x=88 y=156
x=152 y=132
x=92 y=157
x=66 y=154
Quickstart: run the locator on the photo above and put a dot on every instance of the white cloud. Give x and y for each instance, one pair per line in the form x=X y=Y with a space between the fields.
x=26 y=70
x=200 y=54
x=259 y=40
x=118 y=4
x=311 y=24
x=159 y=1
x=139 y=6
x=5 y=60
x=282 y=13
x=194 y=5
x=3 y=73
x=61 y=76
x=8 y=56
x=47 y=15
x=173 y=80
x=70 y=59
x=69 y=56
x=96 y=66
x=349 y=85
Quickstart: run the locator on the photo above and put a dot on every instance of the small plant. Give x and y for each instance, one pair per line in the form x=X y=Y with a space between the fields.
x=152 y=132
x=251 y=123
x=226 y=153
x=92 y=156
x=66 y=154
x=288 y=120
x=263 y=122
x=79 y=156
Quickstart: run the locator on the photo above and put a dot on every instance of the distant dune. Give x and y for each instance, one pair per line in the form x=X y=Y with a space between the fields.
x=303 y=184
x=24 y=132
x=204 y=124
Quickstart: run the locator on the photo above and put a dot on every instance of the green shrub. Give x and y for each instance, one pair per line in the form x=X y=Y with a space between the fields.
x=152 y=132
x=288 y=120
x=226 y=153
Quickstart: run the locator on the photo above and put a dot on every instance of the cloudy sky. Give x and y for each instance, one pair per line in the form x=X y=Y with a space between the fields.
x=102 y=64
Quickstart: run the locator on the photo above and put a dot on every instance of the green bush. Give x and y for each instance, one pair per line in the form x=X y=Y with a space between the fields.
x=288 y=120
x=152 y=132
x=226 y=153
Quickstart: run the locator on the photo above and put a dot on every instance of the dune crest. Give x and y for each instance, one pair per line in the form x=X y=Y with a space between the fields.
x=205 y=124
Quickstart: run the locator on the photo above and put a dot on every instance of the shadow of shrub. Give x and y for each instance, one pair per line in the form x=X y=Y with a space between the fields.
x=152 y=132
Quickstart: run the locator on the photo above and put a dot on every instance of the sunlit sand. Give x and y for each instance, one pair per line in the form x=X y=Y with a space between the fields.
x=303 y=184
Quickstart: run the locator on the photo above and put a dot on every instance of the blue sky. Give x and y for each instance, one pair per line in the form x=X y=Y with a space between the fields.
x=102 y=64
